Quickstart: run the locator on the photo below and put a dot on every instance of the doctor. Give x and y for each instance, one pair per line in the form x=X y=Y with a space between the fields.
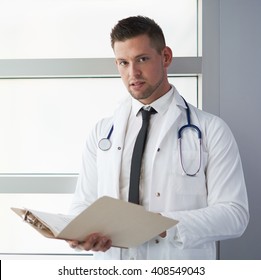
x=200 y=183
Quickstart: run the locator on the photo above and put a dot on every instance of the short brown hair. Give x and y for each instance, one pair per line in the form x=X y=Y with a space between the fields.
x=138 y=25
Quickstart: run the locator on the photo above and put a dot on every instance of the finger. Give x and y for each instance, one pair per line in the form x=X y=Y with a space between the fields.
x=102 y=244
x=163 y=234
x=73 y=243
x=107 y=245
x=90 y=242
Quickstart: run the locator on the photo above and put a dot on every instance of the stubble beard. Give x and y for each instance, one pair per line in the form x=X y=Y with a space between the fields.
x=149 y=91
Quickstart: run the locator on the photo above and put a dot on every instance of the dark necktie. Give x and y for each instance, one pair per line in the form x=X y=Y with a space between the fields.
x=137 y=156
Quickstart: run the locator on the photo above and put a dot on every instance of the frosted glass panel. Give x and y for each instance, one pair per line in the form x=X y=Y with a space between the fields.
x=18 y=237
x=80 y=29
x=44 y=122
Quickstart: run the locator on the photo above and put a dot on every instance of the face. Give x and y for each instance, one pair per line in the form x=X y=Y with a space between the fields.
x=142 y=69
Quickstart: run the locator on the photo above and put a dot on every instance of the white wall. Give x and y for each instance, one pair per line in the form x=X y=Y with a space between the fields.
x=231 y=88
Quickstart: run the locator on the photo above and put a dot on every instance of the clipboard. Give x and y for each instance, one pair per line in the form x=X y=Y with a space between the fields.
x=128 y=225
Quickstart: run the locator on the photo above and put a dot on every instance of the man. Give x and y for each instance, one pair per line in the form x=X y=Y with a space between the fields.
x=202 y=186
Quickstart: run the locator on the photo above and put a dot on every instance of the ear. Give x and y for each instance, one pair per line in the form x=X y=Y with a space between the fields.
x=167 y=56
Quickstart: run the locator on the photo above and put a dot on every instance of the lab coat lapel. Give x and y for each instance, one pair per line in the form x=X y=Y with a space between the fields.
x=173 y=114
x=120 y=121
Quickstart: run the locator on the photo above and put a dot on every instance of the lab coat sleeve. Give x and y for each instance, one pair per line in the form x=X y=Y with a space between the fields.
x=226 y=215
x=86 y=189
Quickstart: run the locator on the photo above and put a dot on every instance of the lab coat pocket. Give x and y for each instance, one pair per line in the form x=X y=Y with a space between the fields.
x=187 y=192
x=190 y=173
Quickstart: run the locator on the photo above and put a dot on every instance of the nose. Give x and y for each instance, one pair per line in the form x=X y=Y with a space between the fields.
x=134 y=70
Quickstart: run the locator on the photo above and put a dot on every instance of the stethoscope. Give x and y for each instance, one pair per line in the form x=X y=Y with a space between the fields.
x=199 y=136
x=105 y=143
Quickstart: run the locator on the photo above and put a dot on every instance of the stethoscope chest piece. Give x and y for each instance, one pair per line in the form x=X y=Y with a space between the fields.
x=104 y=144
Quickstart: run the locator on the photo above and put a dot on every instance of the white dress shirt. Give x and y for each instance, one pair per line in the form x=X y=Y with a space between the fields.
x=161 y=106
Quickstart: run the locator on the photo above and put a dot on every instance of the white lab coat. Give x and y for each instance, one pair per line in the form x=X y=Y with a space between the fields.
x=210 y=206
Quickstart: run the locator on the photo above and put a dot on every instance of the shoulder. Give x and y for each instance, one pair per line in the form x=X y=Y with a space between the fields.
x=206 y=119
x=214 y=129
x=104 y=125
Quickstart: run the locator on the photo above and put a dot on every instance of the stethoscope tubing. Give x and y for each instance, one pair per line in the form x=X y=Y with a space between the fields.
x=105 y=143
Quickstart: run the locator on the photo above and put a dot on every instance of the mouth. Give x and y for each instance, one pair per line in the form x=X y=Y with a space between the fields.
x=136 y=84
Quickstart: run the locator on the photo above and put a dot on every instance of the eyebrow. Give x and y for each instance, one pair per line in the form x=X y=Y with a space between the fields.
x=137 y=56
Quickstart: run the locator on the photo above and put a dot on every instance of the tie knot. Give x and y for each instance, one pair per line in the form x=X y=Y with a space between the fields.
x=146 y=112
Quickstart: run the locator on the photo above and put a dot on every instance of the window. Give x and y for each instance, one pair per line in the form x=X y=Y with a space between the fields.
x=52 y=74
x=49 y=119
x=74 y=28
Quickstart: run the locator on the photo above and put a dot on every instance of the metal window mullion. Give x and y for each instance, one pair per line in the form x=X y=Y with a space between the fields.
x=82 y=67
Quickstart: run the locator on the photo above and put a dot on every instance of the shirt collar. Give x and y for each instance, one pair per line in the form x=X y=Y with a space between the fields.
x=161 y=105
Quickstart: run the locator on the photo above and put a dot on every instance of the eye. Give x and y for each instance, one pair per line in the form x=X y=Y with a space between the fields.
x=123 y=63
x=143 y=59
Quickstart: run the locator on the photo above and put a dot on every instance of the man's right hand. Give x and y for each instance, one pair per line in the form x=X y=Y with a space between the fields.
x=94 y=242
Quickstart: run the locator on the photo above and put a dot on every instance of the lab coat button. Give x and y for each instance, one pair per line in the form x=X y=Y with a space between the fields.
x=119 y=148
x=157 y=241
x=157 y=194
